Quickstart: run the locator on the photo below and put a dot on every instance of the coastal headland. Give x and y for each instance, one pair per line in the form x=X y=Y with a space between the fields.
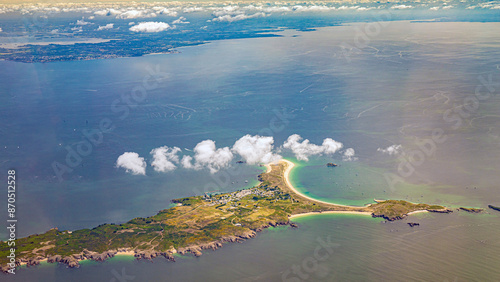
x=195 y=224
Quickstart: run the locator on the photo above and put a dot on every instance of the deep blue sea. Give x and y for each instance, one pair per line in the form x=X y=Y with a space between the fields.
x=395 y=90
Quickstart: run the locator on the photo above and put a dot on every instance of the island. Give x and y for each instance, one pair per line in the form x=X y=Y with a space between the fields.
x=471 y=210
x=494 y=207
x=194 y=224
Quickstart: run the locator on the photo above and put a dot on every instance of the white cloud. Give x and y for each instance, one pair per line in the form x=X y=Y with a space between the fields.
x=181 y=20
x=187 y=162
x=134 y=14
x=132 y=163
x=91 y=18
x=227 y=10
x=102 y=13
x=349 y=155
x=400 y=7
x=192 y=9
x=304 y=149
x=165 y=158
x=493 y=5
x=131 y=23
x=150 y=27
x=347 y=7
x=331 y=146
x=447 y=7
x=256 y=149
x=166 y=12
x=471 y=7
x=365 y=8
x=434 y=8
x=229 y=18
x=314 y=8
x=82 y=22
x=391 y=150
x=104 y=27
x=1 y=29
x=276 y=9
x=206 y=155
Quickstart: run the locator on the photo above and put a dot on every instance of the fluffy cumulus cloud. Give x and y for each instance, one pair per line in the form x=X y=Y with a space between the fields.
x=165 y=158
x=304 y=149
x=132 y=163
x=193 y=9
x=1 y=29
x=239 y=17
x=166 y=12
x=82 y=22
x=105 y=27
x=365 y=8
x=391 y=150
x=314 y=8
x=134 y=14
x=348 y=7
x=401 y=7
x=150 y=27
x=256 y=149
x=181 y=20
x=187 y=162
x=110 y=12
x=252 y=149
x=349 y=155
x=276 y=9
x=207 y=155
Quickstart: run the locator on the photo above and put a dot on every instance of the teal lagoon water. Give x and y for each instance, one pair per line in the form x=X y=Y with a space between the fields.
x=394 y=91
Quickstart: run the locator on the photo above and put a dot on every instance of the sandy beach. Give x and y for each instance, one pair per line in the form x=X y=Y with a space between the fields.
x=286 y=175
x=325 y=212
x=413 y=212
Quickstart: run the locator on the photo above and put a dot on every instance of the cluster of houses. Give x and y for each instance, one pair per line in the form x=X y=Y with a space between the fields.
x=215 y=198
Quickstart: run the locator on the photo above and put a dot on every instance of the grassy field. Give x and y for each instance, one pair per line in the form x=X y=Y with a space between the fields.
x=196 y=221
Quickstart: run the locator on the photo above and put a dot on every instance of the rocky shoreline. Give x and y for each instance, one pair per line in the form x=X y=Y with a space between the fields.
x=494 y=208
x=72 y=261
x=273 y=189
x=405 y=215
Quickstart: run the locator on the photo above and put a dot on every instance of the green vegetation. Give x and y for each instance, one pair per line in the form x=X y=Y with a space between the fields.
x=472 y=210
x=196 y=221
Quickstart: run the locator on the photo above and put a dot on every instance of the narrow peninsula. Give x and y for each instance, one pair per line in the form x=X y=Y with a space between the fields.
x=195 y=224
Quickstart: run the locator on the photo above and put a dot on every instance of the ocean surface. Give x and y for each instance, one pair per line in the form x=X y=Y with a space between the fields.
x=404 y=85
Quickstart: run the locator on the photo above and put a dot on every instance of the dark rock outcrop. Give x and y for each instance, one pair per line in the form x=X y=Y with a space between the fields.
x=411 y=224
x=440 y=211
x=52 y=259
x=494 y=208
x=471 y=210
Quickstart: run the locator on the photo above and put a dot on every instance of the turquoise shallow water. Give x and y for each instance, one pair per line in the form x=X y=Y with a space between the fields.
x=224 y=90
